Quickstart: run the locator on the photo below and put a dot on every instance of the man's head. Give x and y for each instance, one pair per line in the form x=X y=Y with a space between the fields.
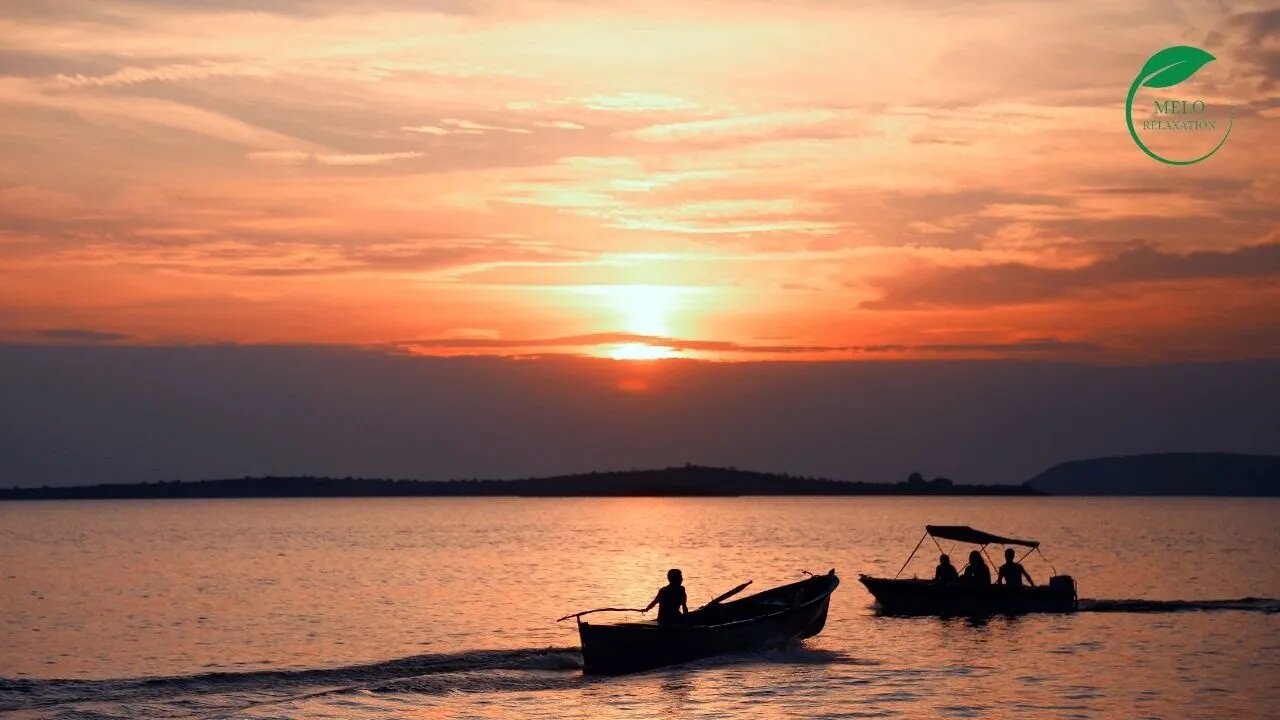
x=944 y=559
x=1008 y=554
x=674 y=576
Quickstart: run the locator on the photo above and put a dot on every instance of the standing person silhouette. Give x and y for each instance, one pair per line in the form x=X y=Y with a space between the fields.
x=672 y=601
x=1012 y=572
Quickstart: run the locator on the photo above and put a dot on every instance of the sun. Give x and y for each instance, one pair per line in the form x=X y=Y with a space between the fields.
x=645 y=311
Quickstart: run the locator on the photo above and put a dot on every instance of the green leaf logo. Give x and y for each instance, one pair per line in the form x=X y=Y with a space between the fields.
x=1167 y=68
x=1173 y=65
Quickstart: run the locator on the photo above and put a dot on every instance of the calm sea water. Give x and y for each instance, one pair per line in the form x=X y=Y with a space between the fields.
x=445 y=608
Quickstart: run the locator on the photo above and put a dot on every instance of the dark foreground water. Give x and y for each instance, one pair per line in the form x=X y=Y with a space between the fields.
x=445 y=608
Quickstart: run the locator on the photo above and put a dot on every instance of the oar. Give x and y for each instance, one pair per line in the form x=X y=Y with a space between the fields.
x=588 y=612
x=729 y=594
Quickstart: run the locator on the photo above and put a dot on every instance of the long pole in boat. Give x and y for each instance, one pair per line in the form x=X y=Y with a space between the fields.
x=721 y=598
x=588 y=612
x=913 y=554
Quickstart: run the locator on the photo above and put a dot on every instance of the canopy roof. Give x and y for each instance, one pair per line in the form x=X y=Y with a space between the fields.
x=966 y=534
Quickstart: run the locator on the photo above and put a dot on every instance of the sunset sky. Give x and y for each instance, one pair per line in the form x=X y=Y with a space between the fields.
x=244 y=238
x=724 y=180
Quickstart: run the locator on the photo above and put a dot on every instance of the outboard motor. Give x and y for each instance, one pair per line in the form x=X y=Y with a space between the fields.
x=1064 y=583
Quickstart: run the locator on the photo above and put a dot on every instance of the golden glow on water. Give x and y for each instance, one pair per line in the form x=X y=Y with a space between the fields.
x=366 y=587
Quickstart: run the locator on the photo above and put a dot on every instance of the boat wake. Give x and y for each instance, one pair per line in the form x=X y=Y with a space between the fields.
x=795 y=654
x=1249 y=604
x=217 y=693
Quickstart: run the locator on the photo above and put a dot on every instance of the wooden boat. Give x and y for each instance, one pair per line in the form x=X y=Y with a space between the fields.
x=768 y=619
x=928 y=597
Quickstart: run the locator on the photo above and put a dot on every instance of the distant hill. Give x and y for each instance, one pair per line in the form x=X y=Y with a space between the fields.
x=1165 y=474
x=686 y=481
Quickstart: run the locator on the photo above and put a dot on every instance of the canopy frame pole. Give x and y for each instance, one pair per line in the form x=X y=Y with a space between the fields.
x=935 y=542
x=913 y=554
x=984 y=552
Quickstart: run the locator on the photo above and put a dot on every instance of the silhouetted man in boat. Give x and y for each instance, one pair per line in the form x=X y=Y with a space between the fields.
x=976 y=572
x=1012 y=572
x=671 y=600
x=945 y=572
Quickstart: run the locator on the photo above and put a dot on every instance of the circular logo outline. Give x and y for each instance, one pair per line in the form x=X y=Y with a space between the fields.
x=1167 y=68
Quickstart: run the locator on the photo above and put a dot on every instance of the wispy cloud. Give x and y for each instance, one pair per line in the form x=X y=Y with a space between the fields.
x=456 y=126
x=292 y=157
x=163 y=73
x=635 y=102
x=1017 y=283
x=737 y=127
x=81 y=335
x=726 y=347
x=561 y=125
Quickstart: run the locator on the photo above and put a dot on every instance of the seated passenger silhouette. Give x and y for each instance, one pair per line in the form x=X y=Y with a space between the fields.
x=671 y=600
x=945 y=572
x=1012 y=572
x=976 y=572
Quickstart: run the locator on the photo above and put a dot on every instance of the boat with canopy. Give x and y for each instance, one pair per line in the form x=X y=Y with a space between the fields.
x=914 y=596
x=768 y=619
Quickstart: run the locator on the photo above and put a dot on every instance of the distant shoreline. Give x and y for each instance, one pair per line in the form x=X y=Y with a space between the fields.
x=7 y=495
x=686 y=481
x=1154 y=475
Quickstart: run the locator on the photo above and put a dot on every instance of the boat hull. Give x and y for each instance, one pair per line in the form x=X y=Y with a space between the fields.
x=925 y=597
x=771 y=619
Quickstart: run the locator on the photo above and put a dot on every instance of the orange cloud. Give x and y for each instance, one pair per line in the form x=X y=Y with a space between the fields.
x=842 y=180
